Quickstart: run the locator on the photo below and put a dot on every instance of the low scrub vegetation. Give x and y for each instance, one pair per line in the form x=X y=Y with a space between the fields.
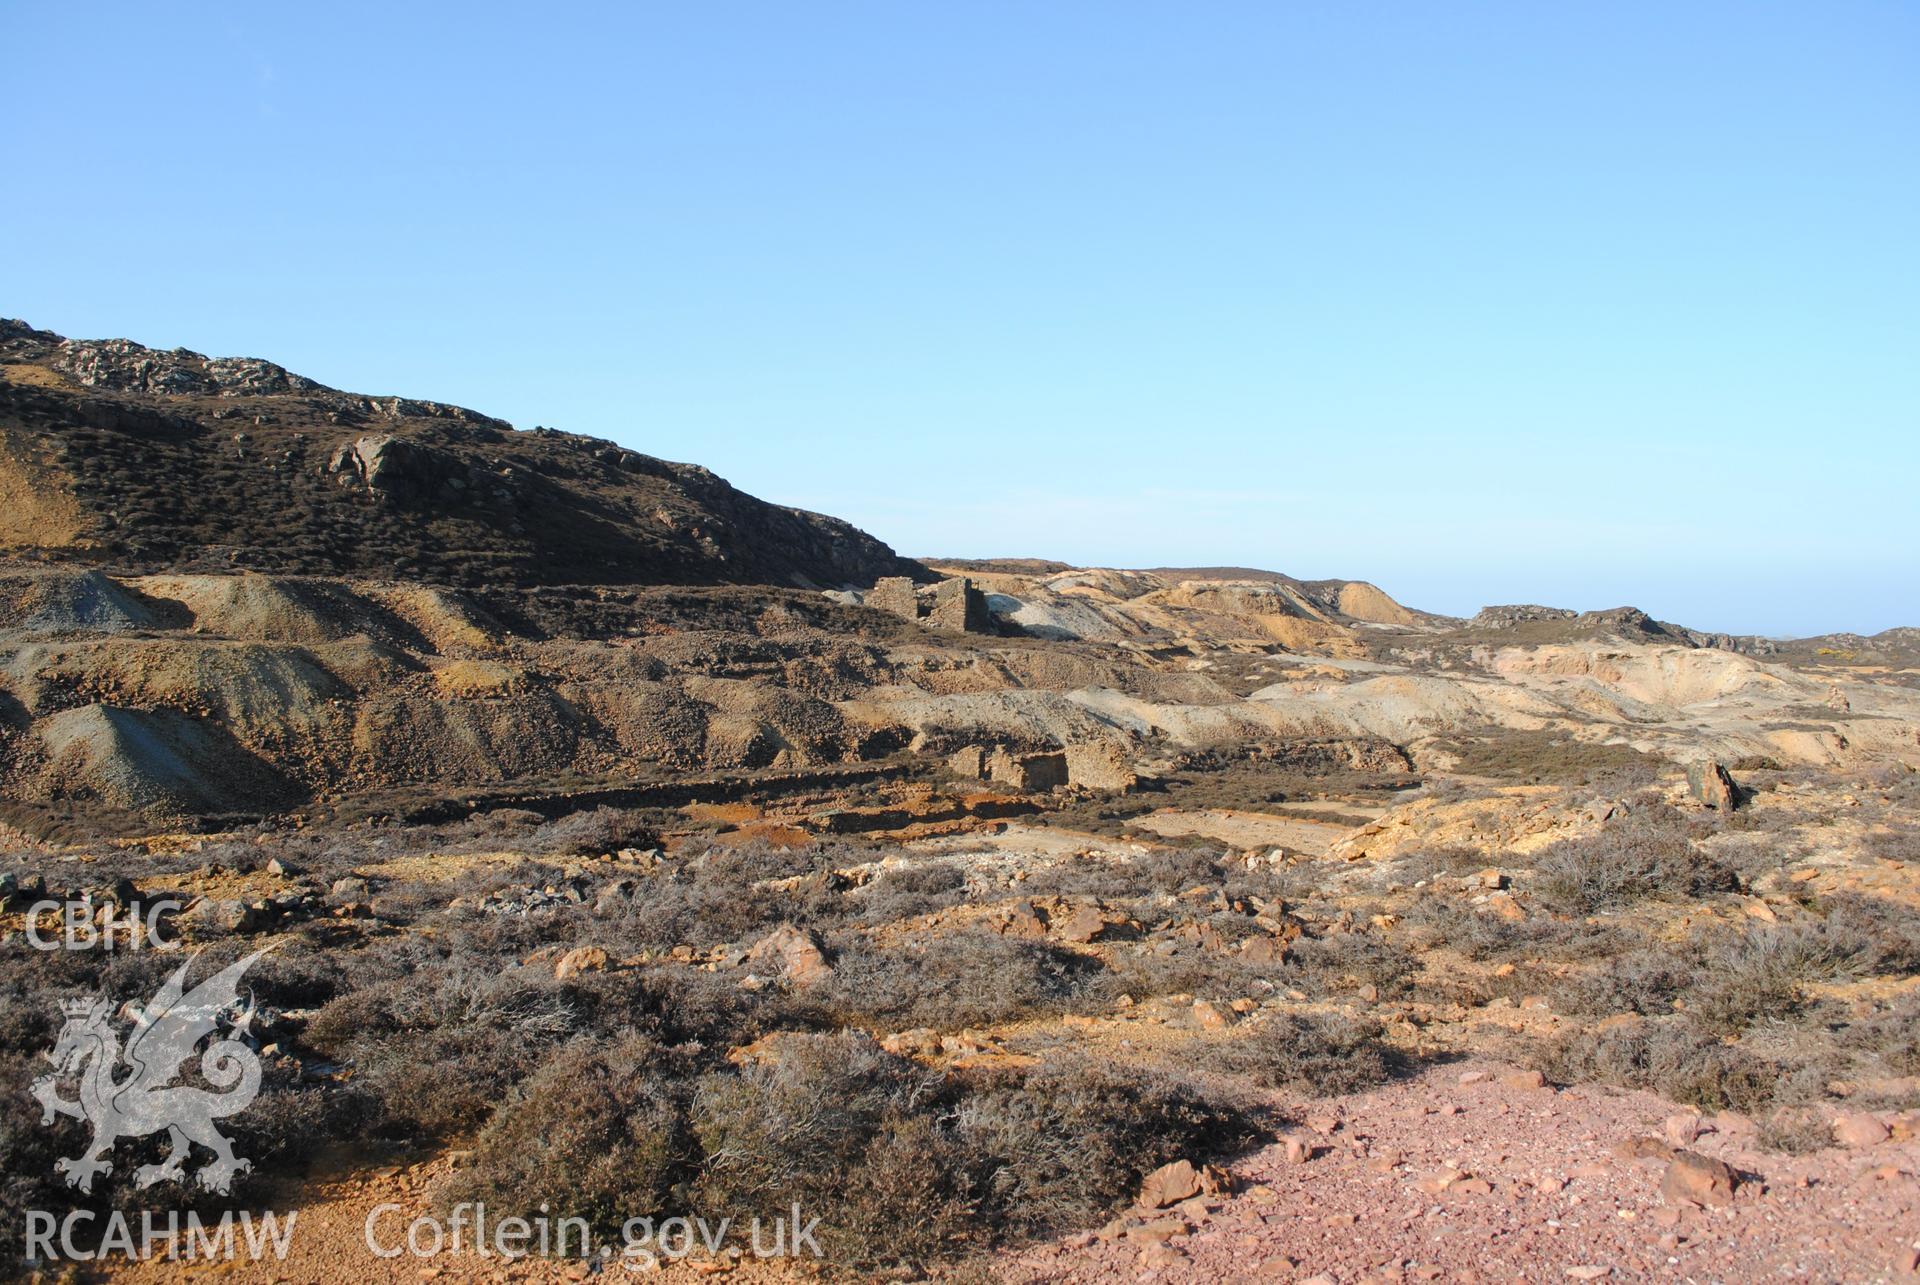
x=900 y=1162
x=1307 y=1053
x=1647 y=853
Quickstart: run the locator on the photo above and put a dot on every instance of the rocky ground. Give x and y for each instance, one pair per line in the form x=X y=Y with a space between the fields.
x=1475 y=1171
x=954 y=900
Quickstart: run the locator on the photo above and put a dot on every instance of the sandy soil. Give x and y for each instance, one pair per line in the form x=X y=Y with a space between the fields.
x=1249 y=829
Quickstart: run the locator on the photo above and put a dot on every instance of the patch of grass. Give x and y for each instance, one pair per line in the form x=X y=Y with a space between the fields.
x=1795 y=1131
x=598 y=1133
x=1891 y=1037
x=1445 y=922
x=1760 y=974
x=1641 y=981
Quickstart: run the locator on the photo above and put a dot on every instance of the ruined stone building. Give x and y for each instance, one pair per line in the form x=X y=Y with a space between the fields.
x=952 y=604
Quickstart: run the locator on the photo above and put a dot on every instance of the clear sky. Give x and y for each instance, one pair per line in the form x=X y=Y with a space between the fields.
x=1586 y=304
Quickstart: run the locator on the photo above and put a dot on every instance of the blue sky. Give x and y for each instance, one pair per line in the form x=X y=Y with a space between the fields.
x=1587 y=304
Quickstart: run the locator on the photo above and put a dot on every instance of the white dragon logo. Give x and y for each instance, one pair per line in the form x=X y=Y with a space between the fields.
x=147 y=1100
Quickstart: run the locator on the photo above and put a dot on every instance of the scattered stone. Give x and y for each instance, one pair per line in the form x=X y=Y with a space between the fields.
x=1210 y=1015
x=1157 y=1229
x=224 y=914
x=1440 y=1180
x=921 y=1041
x=1022 y=919
x=1523 y=1080
x=1709 y=784
x=1085 y=924
x=1169 y=1185
x=581 y=959
x=791 y=953
x=1263 y=949
x=1194 y=1209
x=1642 y=1148
x=1860 y=1130
x=1157 y=1256
x=1694 y=1179
x=1682 y=1130
x=1734 y=1125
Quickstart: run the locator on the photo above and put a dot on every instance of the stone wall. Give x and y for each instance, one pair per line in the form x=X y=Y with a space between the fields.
x=1100 y=765
x=896 y=595
x=952 y=604
x=958 y=606
x=1041 y=771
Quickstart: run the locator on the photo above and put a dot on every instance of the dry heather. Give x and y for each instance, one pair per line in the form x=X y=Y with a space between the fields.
x=980 y=1048
x=600 y=875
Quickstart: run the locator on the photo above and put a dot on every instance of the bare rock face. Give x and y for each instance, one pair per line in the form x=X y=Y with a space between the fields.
x=397 y=468
x=1508 y=616
x=1039 y=771
x=123 y=365
x=1709 y=784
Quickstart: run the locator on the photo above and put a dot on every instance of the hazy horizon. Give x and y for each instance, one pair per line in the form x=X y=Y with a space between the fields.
x=1583 y=306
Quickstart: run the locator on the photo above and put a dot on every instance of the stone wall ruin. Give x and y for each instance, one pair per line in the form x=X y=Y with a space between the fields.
x=953 y=604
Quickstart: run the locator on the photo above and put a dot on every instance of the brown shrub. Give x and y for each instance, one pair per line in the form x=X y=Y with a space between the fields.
x=598 y=1133
x=1315 y=1053
x=1646 y=854
x=442 y=1045
x=958 y=979
x=1671 y=1057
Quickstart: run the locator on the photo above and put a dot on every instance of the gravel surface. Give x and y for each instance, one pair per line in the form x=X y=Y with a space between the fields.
x=1543 y=1193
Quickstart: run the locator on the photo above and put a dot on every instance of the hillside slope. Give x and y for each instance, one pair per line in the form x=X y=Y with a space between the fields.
x=140 y=460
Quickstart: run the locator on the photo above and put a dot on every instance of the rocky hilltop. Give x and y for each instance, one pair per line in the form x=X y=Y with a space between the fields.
x=134 y=459
x=234 y=591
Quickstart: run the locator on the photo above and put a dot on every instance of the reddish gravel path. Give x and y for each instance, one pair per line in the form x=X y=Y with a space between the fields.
x=1545 y=1197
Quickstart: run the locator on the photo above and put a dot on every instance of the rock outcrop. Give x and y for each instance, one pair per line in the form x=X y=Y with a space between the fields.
x=141 y=460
